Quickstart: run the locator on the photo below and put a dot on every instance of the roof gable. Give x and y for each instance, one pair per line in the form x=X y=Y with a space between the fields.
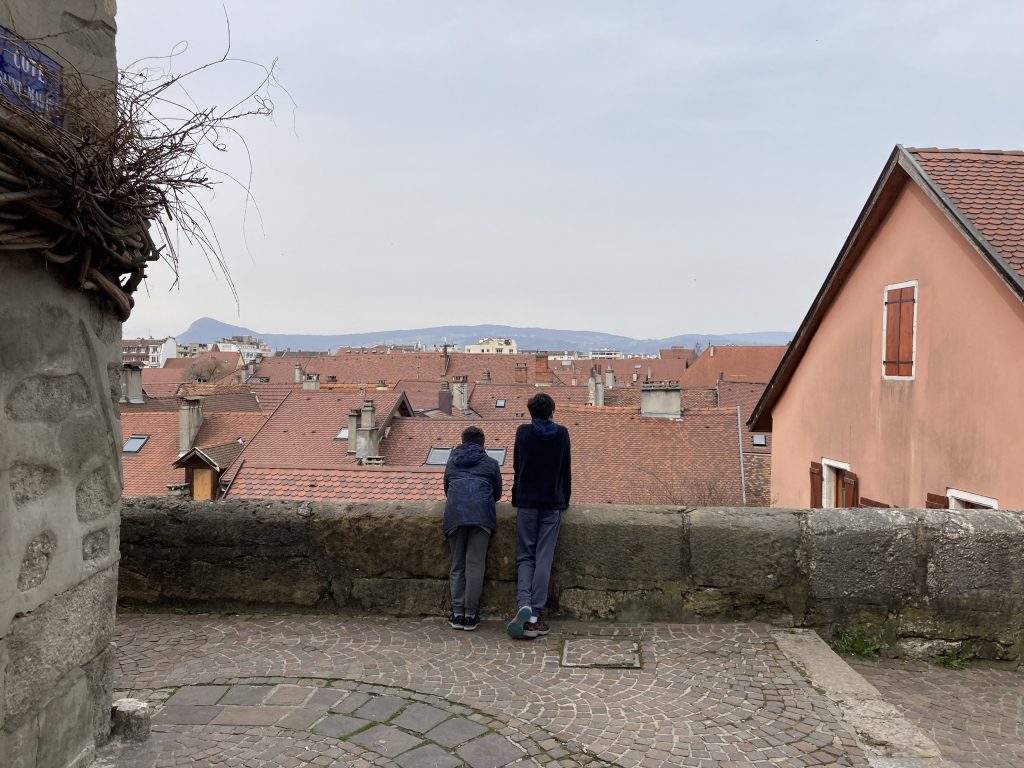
x=980 y=192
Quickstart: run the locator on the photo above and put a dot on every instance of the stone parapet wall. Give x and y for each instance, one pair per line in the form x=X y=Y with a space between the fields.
x=927 y=577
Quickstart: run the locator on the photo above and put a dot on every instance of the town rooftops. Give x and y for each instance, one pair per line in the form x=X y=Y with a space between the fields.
x=732 y=363
x=980 y=192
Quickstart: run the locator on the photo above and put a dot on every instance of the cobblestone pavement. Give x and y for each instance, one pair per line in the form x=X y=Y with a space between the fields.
x=332 y=691
x=975 y=715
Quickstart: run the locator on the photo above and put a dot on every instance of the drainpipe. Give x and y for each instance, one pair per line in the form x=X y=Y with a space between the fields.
x=743 y=478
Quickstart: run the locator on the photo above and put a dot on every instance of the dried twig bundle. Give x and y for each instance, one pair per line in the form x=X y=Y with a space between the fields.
x=83 y=190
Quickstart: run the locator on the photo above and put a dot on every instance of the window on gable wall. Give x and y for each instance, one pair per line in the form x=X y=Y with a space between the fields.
x=833 y=485
x=899 y=330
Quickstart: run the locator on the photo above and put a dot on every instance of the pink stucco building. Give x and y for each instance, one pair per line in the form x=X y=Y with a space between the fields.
x=902 y=386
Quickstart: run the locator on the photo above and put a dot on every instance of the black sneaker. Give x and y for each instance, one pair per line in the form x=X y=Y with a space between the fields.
x=535 y=629
x=469 y=623
x=455 y=622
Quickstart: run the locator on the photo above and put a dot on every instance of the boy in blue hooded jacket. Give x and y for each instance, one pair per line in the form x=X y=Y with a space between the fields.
x=472 y=485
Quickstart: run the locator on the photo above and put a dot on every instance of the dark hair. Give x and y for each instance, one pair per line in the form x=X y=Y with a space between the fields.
x=541 y=406
x=473 y=435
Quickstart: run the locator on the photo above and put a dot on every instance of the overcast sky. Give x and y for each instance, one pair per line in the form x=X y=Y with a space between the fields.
x=643 y=168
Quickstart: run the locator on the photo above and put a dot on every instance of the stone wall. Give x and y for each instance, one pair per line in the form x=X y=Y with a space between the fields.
x=927 y=577
x=60 y=474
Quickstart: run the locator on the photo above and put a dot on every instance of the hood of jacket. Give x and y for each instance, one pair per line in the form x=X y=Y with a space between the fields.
x=545 y=428
x=467 y=455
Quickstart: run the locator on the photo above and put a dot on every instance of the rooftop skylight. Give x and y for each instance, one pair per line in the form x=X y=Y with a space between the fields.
x=134 y=443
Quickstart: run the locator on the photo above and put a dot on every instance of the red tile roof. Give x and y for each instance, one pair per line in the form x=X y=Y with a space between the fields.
x=368 y=369
x=618 y=456
x=303 y=430
x=485 y=397
x=150 y=471
x=733 y=363
x=745 y=395
x=644 y=368
x=229 y=361
x=349 y=484
x=988 y=188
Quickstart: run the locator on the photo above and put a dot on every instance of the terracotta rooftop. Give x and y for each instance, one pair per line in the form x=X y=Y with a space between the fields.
x=150 y=471
x=669 y=369
x=485 y=398
x=349 y=484
x=733 y=363
x=745 y=395
x=303 y=430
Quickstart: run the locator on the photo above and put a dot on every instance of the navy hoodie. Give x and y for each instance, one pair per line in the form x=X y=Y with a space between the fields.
x=543 y=470
x=472 y=483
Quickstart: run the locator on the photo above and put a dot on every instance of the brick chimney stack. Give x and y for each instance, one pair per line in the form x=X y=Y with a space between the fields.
x=522 y=373
x=367 y=436
x=444 y=398
x=542 y=372
x=190 y=419
x=661 y=399
x=311 y=382
x=460 y=393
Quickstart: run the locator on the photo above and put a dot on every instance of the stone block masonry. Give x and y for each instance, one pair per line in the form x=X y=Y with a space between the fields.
x=918 y=575
x=60 y=462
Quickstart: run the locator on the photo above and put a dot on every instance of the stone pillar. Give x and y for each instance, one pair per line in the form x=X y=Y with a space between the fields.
x=60 y=464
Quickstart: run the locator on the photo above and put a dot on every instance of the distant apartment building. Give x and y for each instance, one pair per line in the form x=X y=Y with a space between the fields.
x=149 y=353
x=195 y=349
x=605 y=353
x=493 y=347
x=249 y=347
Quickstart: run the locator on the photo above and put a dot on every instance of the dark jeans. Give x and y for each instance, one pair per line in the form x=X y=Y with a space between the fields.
x=468 y=546
x=536 y=536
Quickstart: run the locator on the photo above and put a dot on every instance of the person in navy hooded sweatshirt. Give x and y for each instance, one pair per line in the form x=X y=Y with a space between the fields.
x=472 y=485
x=540 y=493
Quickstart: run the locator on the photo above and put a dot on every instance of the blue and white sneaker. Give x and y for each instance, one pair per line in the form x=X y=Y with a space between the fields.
x=515 y=628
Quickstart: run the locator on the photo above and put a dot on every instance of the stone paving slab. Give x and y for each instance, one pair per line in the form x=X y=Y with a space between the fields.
x=712 y=696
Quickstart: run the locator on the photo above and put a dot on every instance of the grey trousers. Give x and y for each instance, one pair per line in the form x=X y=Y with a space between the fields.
x=536 y=536
x=468 y=545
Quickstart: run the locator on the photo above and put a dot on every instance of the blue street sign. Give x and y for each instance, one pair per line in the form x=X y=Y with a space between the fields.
x=28 y=78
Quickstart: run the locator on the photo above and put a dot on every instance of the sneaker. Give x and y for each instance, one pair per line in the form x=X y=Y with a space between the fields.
x=515 y=627
x=469 y=623
x=455 y=620
x=535 y=629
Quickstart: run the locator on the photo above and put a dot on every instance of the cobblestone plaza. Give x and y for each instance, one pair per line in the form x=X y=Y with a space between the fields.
x=337 y=691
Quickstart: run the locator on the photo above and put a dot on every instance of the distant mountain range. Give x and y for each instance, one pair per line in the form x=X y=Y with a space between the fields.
x=206 y=330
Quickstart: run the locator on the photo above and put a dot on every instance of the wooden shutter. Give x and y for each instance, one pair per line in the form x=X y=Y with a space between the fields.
x=872 y=503
x=815 y=485
x=899 y=331
x=936 y=501
x=851 y=492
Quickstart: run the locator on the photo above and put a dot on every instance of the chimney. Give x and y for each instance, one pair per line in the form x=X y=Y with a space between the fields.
x=598 y=392
x=374 y=461
x=131 y=383
x=485 y=377
x=367 y=436
x=460 y=393
x=592 y=390
x=250 y=369
x=298 y=374
x=541 y=370
x=711 y=351
x=609 y=378
x=661 y=400
x=382 y=384
x=521 y=373
x=353 y=429
x=444 y=398
x=311 y=382
x=190 y=419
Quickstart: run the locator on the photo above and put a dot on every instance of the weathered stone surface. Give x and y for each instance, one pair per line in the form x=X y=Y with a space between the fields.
x=19 y=746
x=47 y=398
x=649 y=544
x=869 y=555
x=977 y=560
x=96 y=545
x=132 y=720
x=84 y=438
x=36 y=560
x=95 y=497
x=30 y=482
x=64 y=633
x=66 y=722
x=400 y=597
x=744 y=547
x=394 y=539
x=99 y=673
x=21 y=344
